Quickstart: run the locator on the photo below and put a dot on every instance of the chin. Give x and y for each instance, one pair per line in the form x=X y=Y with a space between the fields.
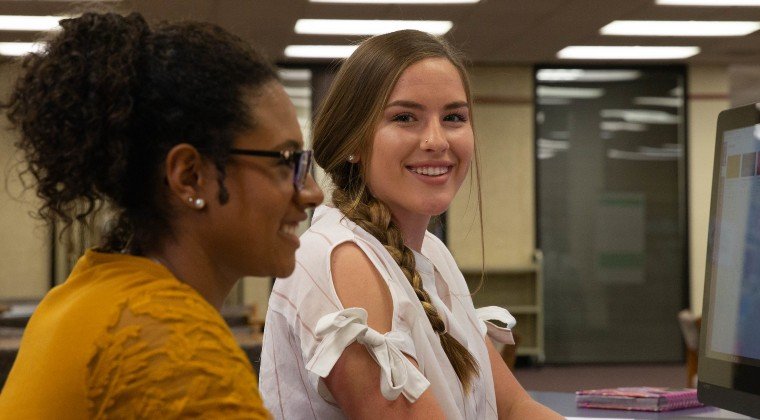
x=286 y=269
x=435 y=207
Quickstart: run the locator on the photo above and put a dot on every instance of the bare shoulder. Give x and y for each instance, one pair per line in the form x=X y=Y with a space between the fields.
x=359 y=284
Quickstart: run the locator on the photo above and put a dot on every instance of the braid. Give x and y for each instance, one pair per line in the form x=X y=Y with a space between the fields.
x=375 y=217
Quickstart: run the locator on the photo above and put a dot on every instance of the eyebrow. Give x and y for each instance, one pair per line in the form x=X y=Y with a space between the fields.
x=289 y=145
x=415 y=105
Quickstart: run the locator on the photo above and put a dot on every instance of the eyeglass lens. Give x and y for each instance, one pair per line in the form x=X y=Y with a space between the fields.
x=302 y=168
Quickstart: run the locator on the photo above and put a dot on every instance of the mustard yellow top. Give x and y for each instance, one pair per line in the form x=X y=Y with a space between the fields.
x=123 y=338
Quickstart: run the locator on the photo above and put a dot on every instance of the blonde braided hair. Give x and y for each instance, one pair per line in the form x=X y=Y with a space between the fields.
x=345 y=125
x=375 y=217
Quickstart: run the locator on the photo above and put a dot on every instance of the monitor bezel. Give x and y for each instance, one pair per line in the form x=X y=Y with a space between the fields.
x=731 y=384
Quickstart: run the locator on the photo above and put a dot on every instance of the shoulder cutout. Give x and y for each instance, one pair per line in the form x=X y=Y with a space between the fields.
x=359 y=284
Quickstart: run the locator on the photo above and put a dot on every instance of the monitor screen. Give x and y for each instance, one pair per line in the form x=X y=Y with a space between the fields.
x=729 y=354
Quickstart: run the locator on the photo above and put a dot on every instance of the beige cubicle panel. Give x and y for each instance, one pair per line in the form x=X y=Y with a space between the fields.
x=24 y=243
x=503 y=118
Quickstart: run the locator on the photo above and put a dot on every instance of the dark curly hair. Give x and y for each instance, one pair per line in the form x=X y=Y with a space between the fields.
x=101 y=106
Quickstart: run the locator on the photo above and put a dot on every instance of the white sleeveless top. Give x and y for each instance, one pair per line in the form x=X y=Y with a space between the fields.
x=307 y=329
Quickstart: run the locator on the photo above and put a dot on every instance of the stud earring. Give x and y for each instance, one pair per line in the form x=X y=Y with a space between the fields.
x=351 y=158
x=427 y=140
x=198 y=203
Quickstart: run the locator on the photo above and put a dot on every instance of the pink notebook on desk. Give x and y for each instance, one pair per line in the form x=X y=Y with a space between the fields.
x=644 y=398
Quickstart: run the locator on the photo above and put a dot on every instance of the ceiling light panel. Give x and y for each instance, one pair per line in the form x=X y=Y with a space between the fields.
x=15 y=49
x=398 y=1
x=29 y=23
x=679 y=28
x=319 y=51
x=582 y=75
x=709 y=2
x=368 y=27
x=585 y=52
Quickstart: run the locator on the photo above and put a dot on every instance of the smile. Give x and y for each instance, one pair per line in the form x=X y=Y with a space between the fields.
x=430 y=170
x=289 y=229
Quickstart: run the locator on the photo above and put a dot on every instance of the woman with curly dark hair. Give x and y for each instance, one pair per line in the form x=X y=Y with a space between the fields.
x=186 y=133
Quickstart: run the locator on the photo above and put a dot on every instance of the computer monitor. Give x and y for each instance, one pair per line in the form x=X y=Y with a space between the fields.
x=729 y=350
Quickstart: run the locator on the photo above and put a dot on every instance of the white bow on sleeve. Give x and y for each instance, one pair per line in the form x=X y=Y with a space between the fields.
x=339 y=329
x=499 y=334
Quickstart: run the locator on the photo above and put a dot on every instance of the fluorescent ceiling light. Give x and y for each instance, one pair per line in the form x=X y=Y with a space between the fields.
x=368 y=27
x=709 y=2
x=580 y=75
x=295 y=75
x=679 y=28
x=29 y=23
x=319 y=51
x=298 y=92
x=20 y=48
x=568 y=92
x=626 y=53
x=398 y=1
x=658 y=101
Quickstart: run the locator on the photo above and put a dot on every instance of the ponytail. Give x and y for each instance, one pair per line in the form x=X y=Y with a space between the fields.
x=73 y=105
x=105 y=101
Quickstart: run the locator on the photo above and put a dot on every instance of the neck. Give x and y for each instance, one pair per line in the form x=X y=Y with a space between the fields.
x=413 y=228
x=190 y=265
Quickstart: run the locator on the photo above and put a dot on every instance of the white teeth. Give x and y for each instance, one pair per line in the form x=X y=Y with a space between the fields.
x=430 y=170
x=289 y=229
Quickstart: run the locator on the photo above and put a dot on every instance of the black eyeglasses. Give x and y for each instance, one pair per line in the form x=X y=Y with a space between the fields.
x=299 y=160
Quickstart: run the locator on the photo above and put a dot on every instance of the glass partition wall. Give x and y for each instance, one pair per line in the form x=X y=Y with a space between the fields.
x=611 y=203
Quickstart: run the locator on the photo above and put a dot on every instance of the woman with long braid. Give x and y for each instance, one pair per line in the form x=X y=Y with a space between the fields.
x=377 y=321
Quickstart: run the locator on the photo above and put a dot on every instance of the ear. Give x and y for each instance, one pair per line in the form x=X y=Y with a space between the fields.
x=184 y=171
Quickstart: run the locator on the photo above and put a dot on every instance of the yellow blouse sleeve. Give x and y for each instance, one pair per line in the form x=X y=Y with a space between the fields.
x=167 y=354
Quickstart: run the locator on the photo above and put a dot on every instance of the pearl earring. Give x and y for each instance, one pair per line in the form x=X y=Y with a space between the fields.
x=198 y=203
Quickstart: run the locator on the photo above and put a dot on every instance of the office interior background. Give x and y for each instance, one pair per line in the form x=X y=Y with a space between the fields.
x=595 y=170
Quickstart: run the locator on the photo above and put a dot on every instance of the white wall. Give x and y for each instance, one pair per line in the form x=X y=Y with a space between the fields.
x=708 y=95
x=503 y=117
x=24 y=251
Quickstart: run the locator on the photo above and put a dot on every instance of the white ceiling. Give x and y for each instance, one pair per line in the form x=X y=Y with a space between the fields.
x=492 y=31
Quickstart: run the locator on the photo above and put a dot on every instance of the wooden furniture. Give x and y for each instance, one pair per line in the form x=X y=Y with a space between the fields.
x=520 y=290
x=690 y=324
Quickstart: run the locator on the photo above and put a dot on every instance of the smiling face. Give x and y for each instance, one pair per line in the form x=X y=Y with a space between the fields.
x=423 y=143
x=255 y=229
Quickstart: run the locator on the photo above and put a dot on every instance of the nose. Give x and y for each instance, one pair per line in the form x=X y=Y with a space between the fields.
x=310 y=195
x=434 y=139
